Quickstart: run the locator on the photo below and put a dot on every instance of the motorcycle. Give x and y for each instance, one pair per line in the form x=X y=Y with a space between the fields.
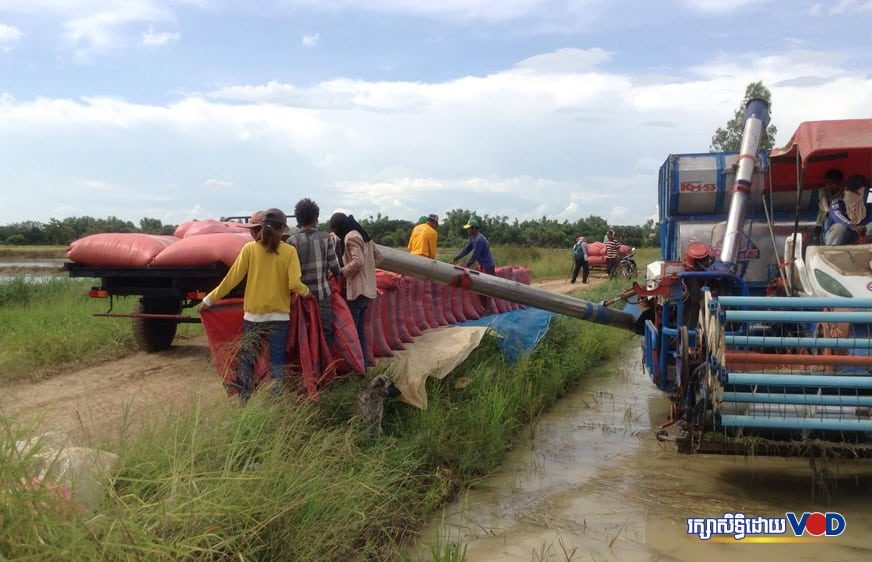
x=627 y=266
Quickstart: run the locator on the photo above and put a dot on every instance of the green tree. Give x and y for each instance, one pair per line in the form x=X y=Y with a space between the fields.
x=729 y=138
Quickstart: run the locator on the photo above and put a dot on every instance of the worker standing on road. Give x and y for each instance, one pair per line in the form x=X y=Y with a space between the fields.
x=317 y=256
x=271 y=270
x=580 y=256
x=424 y=237
x=478 y=245
x=613 y=253
x=360 y=258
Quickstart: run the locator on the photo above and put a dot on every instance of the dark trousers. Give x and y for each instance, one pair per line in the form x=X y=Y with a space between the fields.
x=612 y=266
x=580 y=263
x=252 y=342
x=358 y=308
x=325 y=311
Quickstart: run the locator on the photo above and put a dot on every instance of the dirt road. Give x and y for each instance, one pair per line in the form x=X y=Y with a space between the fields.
x=96 y=401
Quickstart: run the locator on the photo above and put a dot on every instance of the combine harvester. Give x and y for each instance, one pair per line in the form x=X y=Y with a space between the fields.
x=762 y=343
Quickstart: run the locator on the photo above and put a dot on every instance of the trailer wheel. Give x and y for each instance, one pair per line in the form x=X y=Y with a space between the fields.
x=155 y=335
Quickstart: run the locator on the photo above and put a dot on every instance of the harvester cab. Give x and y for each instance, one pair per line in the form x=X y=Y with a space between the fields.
x=761 y=337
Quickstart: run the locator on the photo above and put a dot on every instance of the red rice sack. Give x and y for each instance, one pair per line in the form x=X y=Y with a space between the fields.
x=596 y=249
x=378 y=342
x=388 y=319
x=428 y=304
x=112 y=249
x=447 y=311
x=468 y=298
x=407 y=308
x=183 y=228
x=417 y=303
x=210 y=226
x=456 y=297
x=436 y=304
x=201 y=250
x=346 y=345
x=401 y=313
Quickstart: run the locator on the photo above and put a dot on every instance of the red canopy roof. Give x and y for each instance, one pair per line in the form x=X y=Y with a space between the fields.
x=844 y=145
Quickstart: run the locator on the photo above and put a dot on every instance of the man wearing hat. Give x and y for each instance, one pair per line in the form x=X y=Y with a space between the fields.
x=423 y=240
x=478 y=245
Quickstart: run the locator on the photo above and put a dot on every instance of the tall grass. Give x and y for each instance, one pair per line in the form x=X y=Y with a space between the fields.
x=283 y=480
x=48 y=326
x=40 y=252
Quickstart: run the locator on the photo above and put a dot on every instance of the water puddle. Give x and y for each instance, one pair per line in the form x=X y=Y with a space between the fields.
x=591 y=482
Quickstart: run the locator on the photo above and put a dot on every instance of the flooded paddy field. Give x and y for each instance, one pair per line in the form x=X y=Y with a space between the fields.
x=591 y=482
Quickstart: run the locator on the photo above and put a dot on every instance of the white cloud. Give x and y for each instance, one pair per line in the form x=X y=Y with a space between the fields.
x=720 y=6
x=217 y=184
x=9 y=36
x=95 y=27
x=557 y=133
x=850 y=6
x=151 y=38
x=310 y=40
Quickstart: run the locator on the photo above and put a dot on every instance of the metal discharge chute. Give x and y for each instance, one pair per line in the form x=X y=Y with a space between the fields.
x=431 y=270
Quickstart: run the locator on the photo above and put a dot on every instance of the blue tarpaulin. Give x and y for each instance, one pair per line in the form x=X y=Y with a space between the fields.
x=519 y=330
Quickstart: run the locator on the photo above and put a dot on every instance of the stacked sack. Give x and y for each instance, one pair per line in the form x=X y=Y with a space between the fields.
x=193 y=244
x=596 y=253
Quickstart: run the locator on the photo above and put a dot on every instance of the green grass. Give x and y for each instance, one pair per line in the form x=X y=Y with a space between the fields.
x=551 y=263
x=47 y=327
x=300 y=481
x=43 y=252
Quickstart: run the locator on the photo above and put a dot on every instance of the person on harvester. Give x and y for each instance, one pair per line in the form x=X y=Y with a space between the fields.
x=271 y=270
x=850 y=218
x=317 y=256
x=359 y=257
x=424 y=237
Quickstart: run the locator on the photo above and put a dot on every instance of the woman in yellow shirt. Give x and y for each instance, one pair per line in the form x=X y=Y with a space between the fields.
x=271 y=270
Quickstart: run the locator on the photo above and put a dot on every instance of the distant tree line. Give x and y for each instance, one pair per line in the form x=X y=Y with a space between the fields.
x=542 y=232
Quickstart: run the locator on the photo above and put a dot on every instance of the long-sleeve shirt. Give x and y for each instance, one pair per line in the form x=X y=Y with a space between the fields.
x=423 y=240
x=270 y=278
x=839 y=214
x=826 y=198
x=360 y=259
x=480 y=249
x=317 y=256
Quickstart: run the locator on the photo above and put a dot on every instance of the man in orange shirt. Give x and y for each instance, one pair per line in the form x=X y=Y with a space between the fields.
x=423 y=240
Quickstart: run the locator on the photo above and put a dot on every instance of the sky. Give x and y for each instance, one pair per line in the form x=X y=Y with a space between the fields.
x=180 y=109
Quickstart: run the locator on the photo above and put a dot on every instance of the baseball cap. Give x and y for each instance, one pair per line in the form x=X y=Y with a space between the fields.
x=275 y=215
x=433 y=217
x=472 y=223
x=255 y=220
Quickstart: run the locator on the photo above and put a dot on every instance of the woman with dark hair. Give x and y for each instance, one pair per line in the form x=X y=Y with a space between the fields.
x=271 y=270
x=359 y=257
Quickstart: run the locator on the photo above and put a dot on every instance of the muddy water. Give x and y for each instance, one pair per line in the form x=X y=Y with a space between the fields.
x=591 y=482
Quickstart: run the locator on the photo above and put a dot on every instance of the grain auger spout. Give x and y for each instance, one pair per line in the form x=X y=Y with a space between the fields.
x=492 y=286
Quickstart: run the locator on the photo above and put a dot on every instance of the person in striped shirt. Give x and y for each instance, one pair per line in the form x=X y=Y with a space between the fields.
x=613 y=253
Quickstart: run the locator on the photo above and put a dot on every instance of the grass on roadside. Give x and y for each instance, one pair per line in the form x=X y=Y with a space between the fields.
x=47 y=326
x=299 y=481
x=37 y=252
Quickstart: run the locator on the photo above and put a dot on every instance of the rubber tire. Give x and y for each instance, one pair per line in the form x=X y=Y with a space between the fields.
x=155 y=335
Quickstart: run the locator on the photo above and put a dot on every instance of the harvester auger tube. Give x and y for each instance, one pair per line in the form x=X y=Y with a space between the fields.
x=756 y=121
x=431 y=270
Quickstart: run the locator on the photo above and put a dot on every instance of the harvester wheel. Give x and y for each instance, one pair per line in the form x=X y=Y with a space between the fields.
x=155 y=335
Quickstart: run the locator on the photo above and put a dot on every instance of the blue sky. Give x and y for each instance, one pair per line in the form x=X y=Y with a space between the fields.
x=182 y=109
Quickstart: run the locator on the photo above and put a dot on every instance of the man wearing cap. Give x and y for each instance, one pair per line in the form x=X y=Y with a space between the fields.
x=423 y=240
x=478 y=245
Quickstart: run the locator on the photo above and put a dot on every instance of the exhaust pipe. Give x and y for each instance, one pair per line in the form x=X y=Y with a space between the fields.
x=497 y=287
